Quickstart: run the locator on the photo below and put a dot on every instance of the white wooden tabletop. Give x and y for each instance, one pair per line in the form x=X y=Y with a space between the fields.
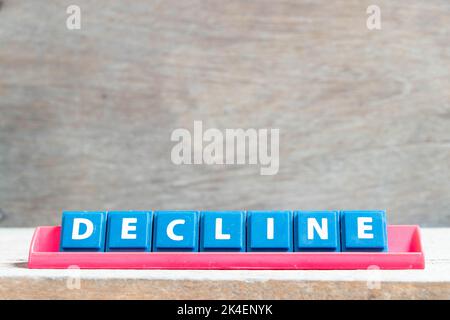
x=17 y=281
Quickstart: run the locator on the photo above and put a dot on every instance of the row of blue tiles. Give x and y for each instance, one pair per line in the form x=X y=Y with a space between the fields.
x=224 y=231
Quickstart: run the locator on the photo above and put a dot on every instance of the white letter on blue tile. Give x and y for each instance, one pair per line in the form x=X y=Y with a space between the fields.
x=76 y=229
x=322 y=231
x=172 y=225
x=270 y=228
x=362 y=228
x=126 y=228
x=219 y=233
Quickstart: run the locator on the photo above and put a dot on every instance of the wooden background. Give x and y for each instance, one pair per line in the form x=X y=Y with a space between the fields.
x=86 y=115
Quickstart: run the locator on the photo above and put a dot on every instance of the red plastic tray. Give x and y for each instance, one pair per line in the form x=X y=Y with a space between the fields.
x=405 y=252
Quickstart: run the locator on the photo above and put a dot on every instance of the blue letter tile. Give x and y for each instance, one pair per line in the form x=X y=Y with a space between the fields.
x=129 y=231
x=269 y=231
x=316 y=231
x=176 y=231
x=364 y=231
x=83 y=231
x=222 y=231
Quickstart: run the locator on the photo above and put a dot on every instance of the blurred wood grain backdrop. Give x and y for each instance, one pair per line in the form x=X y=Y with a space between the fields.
x=86 y=115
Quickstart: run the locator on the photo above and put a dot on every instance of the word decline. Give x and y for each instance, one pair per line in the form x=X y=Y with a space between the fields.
x=225 y=231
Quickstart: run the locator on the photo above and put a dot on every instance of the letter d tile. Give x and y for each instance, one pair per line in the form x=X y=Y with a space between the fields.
x=83 y=231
